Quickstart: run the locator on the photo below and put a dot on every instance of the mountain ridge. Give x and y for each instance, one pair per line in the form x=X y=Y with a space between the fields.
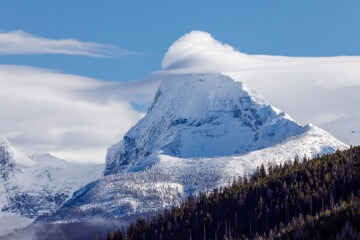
x=30 y=187
x=155 y=166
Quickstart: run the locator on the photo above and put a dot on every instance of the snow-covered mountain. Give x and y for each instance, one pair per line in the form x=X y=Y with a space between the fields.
x=201 y=115
x=201 y=131
x=37 y=185
x=346 y=128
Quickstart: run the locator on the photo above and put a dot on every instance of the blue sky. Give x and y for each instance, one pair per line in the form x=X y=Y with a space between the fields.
x=290 y=28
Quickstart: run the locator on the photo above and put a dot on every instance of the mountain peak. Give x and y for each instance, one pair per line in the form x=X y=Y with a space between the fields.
x=201 y=115
x=202 y=131
x=10 y=157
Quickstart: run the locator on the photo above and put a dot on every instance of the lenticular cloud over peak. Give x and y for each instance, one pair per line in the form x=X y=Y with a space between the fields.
x=198 y=51
x=304 y=87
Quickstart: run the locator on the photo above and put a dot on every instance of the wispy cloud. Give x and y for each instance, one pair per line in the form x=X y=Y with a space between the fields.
x=23 y=43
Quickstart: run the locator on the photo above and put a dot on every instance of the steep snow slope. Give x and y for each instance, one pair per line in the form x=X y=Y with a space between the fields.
x=346 y=129
x=201 y=131
x=31 y=187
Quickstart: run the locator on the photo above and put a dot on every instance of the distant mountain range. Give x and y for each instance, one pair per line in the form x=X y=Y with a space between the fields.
x=36 y=185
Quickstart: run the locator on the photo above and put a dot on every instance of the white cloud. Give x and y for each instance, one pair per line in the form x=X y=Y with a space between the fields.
x=310 y=89
x=74 y=117
x=20 y=42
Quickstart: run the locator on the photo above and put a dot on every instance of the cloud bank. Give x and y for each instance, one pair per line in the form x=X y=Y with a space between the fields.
x=73 y=117
x=20 y=42
x=310 y=89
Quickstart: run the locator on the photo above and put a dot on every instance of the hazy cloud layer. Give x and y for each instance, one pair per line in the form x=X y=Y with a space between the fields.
x=310 y=89
x=20 y=42
x=73 y=117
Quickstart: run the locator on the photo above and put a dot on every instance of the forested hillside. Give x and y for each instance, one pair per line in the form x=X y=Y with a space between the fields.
x=341 y=222
x=304 y=198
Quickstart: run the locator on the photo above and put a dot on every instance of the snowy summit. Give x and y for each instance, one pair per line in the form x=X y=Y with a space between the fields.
x=201 y=115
